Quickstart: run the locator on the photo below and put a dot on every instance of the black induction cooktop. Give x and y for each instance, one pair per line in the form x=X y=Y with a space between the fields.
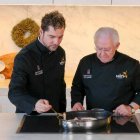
x=50 y=124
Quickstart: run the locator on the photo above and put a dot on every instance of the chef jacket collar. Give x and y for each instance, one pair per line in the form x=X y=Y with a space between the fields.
x=114 y=58
x=42 y=47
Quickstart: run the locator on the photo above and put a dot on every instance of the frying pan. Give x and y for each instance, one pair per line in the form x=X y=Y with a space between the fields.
x=100 y=117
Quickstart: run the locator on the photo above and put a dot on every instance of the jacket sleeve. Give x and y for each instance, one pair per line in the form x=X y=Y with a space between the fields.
x=77 y=89
x=136 y=84
x=18 y=93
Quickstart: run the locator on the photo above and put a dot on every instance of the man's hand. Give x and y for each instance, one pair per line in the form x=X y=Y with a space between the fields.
x=123 y=110
x=42 y=105
x=77 y=107
x=122 y=120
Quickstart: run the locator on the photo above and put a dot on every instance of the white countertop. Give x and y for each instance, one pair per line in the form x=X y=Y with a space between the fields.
x=9 y=123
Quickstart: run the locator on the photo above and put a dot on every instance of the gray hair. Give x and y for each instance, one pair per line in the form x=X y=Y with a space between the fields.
x=107 y=31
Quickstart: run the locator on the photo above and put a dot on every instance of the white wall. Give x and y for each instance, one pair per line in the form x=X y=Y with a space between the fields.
x=26 y=1
x=82 y=22
x=73 y=2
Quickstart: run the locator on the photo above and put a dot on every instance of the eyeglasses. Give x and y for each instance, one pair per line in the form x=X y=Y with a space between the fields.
x=107 y=50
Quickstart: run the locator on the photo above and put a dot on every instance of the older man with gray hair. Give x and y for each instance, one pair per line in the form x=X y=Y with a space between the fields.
x=109 y=79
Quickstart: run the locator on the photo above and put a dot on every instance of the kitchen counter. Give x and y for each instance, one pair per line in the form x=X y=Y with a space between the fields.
x=9 y=123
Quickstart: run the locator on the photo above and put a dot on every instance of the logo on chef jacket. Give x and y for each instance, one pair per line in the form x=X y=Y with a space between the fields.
x=87 y=75
x=122 y=75
x=62 y=62
x=39 y=71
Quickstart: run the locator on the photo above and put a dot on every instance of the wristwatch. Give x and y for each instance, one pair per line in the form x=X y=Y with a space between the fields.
x=132 y=109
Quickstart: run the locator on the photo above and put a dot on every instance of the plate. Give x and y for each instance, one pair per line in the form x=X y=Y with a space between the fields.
x=2 y=66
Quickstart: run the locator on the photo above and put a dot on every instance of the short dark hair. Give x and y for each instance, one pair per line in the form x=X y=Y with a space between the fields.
x=54 y=19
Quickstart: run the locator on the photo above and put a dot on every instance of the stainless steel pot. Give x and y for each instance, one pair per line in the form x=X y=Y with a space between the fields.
x=73 y=119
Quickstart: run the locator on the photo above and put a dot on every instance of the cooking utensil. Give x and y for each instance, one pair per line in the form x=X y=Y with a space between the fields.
x=101 y=118
x=59 y=115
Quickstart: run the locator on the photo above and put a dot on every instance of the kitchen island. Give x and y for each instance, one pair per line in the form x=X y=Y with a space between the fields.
x=9 y=123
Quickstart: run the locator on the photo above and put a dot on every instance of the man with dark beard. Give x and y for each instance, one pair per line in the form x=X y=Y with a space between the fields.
x=37 y=82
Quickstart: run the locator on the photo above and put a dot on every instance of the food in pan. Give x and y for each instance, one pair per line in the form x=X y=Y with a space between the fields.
x=85 y=118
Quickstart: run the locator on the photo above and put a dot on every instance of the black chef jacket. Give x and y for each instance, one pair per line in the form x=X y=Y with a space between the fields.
x=106 y=85
x=38 y=74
